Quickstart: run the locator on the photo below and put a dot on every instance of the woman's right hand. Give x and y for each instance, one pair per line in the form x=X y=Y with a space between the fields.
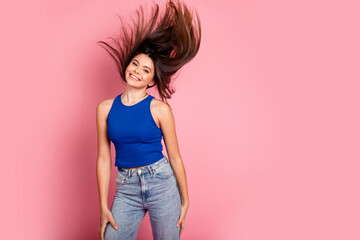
x=105 y=217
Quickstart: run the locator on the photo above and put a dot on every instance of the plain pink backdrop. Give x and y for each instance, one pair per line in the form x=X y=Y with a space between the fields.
x=267 y=118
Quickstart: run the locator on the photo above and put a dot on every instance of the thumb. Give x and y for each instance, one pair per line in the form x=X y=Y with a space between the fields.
x=178 y=223
x=113 y=223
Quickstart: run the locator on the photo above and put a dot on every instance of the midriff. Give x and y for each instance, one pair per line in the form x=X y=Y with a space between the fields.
x=138 y=167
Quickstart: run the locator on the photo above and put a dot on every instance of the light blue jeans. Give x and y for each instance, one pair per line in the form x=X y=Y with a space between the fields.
x=151 y=188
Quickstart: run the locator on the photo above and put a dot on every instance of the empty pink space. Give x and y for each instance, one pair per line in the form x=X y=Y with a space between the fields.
x=267 y=119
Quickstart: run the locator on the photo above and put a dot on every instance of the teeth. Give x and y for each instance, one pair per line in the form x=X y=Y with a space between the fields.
x=134 y=77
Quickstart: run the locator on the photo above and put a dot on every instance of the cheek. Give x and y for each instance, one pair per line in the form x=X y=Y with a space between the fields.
x=129 y=68
x=149 y=77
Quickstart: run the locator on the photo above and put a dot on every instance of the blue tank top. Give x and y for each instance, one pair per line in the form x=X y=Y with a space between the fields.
x=134 y=133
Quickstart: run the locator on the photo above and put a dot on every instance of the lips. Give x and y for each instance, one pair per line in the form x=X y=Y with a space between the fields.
x=136 y=78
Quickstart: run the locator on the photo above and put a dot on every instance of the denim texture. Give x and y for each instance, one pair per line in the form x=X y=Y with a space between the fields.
x=150 y=189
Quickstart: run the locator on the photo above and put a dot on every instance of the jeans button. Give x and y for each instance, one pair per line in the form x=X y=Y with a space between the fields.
x=139 y=171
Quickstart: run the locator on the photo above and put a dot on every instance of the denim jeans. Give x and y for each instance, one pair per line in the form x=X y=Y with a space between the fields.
x=151 y=188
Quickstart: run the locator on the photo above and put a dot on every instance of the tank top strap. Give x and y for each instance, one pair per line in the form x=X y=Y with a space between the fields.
x=149 y=98
x=145 y=104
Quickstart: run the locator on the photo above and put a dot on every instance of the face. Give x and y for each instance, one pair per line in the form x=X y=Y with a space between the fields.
x=140 y=72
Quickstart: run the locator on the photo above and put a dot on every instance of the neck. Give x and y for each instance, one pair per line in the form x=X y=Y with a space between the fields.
x=130 y=96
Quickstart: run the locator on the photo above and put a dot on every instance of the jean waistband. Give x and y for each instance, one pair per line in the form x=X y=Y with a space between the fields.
x=145 y=169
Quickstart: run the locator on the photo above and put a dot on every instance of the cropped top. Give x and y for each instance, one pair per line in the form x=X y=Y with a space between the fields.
x=134 y=133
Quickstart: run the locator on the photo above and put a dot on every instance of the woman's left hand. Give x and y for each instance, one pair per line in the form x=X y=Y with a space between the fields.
x=183 y=211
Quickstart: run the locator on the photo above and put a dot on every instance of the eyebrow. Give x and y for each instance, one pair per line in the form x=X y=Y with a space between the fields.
x=144 y=66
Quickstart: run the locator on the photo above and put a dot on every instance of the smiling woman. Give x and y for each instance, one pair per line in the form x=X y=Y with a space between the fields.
x=140 y=70
x=136 y=123
x=170 y=40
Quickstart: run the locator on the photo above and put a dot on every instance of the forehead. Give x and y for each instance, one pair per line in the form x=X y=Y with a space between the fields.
x=144 y=60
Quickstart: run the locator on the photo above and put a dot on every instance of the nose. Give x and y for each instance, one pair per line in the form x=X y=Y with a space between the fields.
x=137 y=70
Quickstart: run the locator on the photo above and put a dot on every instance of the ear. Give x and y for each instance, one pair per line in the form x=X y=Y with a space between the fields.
x=152 y=83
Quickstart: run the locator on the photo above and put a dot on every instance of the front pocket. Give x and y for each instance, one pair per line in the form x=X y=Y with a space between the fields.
x=164 y=171
x=121 y=177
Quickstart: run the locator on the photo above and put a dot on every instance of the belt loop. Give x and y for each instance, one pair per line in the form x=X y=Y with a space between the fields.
x=128 y=173
x=149 y=169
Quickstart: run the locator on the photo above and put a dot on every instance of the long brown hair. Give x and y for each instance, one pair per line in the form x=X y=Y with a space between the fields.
x=171 y=42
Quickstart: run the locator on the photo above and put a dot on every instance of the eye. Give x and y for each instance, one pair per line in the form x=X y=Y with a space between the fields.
x=146 y=71
x=134 y=63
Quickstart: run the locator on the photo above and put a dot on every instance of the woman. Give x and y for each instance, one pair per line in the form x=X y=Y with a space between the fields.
x=148 y=55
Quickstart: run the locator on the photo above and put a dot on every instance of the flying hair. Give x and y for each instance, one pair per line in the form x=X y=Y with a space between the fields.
x=171 y=40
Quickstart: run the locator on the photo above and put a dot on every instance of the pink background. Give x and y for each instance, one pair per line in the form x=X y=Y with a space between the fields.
x=267 y=117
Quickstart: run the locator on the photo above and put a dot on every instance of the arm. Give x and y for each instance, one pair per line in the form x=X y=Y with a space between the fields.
x=103 y=166
x=167 y=125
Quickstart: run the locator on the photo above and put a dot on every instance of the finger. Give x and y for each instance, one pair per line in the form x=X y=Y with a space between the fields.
x=179 y=221
x=182 y=227
x=113 y=223
x=181 y=230
x=102 y=232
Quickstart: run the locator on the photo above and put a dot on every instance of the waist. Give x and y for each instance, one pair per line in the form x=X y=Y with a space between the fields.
x=137 y=159
x=138 y=167
x=151 y=166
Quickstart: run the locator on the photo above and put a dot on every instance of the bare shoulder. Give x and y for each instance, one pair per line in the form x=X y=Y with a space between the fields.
x=103 y=107
x=159 y=106
x=160 y=110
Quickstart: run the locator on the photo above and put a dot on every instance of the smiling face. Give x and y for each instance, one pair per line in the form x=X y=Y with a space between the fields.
x=140 y=72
